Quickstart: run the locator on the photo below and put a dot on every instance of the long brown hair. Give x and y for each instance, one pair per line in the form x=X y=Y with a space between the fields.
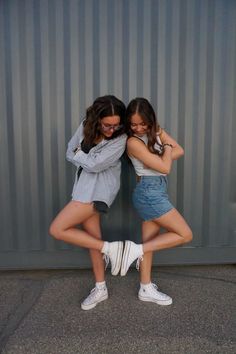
x=102 y=107
x=142 y=107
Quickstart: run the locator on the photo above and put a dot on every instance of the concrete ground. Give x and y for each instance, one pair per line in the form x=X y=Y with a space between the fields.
x=40 y=313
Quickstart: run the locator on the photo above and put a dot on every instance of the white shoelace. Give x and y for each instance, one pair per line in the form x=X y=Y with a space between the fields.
x=106 y=259
x=91 y=295
x=155 y=286
x=140 y=259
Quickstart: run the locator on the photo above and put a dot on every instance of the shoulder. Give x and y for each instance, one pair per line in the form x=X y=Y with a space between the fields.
x=135 y=144
x=118 y=141
x=80 y=129
x=134 y=140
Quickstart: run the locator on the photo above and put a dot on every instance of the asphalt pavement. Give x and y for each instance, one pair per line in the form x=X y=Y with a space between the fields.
x=40 y=313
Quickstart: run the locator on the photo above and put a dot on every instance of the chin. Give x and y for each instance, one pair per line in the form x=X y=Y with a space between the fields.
x=108 y=136
x=140 y=134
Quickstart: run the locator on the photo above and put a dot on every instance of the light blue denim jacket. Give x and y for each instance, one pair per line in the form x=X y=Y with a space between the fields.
x=100 y=177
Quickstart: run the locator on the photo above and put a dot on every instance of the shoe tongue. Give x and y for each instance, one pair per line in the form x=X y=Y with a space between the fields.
x=100 y=287
x=151 y=286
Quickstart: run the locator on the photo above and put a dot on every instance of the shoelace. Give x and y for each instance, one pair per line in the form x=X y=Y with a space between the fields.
x=155 y=286
x=106 y=259
x=140 y=259
x=91 y=295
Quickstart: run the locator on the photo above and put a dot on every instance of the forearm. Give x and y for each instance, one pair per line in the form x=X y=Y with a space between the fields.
x=177 y=152
x=97 y=161
x=167 y=158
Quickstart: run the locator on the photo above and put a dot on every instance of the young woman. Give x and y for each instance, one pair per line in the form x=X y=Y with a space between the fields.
x=152 y=152
x=95 y=150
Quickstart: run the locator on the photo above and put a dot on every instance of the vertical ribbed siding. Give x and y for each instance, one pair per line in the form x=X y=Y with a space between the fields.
x=57 y=56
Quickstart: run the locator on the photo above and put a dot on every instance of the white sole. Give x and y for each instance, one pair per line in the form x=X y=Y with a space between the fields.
x=118 y=259
x=89 y=307
x=125 y=258
x=158 y=302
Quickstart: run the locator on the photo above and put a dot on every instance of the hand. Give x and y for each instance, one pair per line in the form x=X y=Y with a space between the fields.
x=168 y=144
x=167 y=147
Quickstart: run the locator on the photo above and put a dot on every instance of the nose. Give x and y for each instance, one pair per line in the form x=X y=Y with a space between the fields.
x=138 y=128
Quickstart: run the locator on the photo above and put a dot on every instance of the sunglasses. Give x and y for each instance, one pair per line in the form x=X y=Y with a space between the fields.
x=107 y=127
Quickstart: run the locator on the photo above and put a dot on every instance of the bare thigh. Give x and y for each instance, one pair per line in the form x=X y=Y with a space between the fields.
x=150 y=229
x=173 y=221
x=74 y=213
x=92 y=226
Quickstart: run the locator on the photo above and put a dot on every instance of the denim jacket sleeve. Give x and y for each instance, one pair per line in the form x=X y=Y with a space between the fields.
x=101 y=157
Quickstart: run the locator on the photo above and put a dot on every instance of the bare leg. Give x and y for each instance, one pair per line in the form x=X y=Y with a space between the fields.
x=92 y=226
x=64 y=225
x=178 y=232
x=149 y=231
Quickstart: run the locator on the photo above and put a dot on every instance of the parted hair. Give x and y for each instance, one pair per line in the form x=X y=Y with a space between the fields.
x=143 y=107
x=102 y=107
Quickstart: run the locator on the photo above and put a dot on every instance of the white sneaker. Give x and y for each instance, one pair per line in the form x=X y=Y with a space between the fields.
x=96 y=295
x=113 y=251
x=152 y=294
x=131 y=253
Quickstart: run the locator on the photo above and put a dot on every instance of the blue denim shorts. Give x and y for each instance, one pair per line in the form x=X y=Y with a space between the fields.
x=150 y=197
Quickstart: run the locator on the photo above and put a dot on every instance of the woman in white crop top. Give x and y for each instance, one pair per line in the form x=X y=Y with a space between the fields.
x=152 y=152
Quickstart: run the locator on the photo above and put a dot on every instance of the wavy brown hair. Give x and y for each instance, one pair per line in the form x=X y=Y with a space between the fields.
x=102 y=107
x=142 y=107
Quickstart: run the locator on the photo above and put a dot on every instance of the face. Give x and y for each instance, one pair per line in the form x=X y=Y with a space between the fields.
x=137 y=125
x=109 y=125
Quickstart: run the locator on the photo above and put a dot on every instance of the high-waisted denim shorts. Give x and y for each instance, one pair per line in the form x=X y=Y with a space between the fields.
x=150 y=197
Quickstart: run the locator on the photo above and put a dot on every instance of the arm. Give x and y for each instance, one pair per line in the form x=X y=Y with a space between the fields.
x=74 y=143
x=177 y=150
x=139 y=150
x=103 y=158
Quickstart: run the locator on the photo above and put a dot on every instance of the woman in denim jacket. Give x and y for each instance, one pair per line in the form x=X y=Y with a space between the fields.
x=95 y=150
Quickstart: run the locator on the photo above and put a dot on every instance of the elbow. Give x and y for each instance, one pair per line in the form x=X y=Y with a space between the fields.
x=165 y=170
x=69 y=157
x=181 y=151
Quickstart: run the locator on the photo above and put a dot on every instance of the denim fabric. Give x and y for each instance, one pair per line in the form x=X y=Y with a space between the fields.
x=150 y=197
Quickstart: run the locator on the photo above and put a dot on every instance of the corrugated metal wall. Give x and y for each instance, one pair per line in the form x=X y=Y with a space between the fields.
x=57 y=56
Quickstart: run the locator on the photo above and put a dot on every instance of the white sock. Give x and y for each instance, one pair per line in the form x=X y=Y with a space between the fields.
x=105 y=247
x=145 y=286
x=100 y=284
x=141 y=246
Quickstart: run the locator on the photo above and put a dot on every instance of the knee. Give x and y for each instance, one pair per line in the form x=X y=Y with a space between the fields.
x=55 y=231
x=187 y=237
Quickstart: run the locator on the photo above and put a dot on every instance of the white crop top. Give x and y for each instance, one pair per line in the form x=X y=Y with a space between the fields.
x=139 y=167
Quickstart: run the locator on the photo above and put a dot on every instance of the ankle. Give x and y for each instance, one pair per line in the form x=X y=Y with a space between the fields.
x=105 y=247
x=100 y=284
x=141 y=247
x=145 y=285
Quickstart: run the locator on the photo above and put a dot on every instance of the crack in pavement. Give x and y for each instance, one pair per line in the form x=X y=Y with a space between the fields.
x=29 y=297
